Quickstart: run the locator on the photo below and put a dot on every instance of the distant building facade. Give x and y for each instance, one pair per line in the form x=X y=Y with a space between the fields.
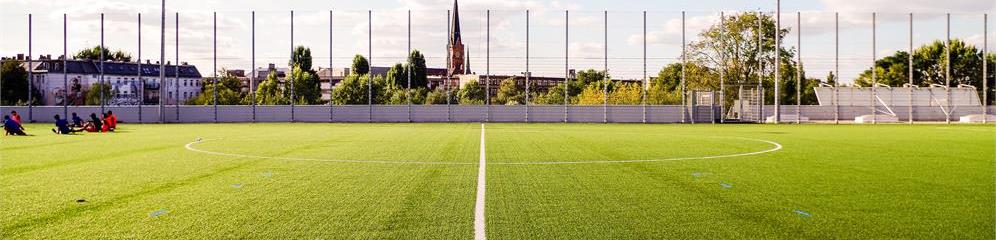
x=127 y=88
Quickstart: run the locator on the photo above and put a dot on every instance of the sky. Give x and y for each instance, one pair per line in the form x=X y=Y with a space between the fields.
x=585 y=42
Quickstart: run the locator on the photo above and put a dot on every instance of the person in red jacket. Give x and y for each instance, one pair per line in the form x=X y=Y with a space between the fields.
x=112 y=121
x=16 y=117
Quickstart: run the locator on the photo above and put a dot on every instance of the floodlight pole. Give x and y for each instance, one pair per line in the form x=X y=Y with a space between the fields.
x=910 y=69
x=778 y=60
x=215 y=68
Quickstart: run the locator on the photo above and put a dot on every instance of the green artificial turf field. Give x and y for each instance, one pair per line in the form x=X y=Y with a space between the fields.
x=567 y=181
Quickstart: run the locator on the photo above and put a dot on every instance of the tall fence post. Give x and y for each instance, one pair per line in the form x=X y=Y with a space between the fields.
x=527 y=73
x=65 y=75
x=760 y=68
x=331 y=72
x=408 y=87
x=103 y=58
x=836 y=68
x=567 y=67
x=778 y=63
x=290 y=75
x=215 y=67
x=141 y=80
x=605 y=74
x=684 y=105
x=985 y=68
x=31 y=78
x=874 y=87
x=487 y=74
x=449 y=61
x=947 y=68
x=176 y=70
x=722 y=68
x=162 y=62
x=646 y=82
x=370 y=64
x=798 y=72
x=253 y=78
x=910 y=69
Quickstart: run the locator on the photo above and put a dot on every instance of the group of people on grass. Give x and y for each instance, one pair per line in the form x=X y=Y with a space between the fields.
x=109 y=122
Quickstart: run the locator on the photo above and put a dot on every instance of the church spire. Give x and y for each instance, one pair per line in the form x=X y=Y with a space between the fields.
x=455 y=34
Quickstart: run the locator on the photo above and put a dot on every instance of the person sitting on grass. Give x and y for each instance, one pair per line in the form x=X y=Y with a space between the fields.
x=16 y=117
x=94 y=125
x=11 y=127
x=111 y=120
x=77 y=121
x=62 y=126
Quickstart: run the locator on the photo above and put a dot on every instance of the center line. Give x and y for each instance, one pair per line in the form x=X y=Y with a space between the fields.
x=479 y=204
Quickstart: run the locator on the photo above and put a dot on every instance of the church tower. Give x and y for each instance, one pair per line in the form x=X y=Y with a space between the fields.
x=456 y=49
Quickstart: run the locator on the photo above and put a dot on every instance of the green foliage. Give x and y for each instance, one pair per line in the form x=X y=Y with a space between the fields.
x=307 y=89
x=626 y=94
x=553 y=96
x=437 y=96
x=269 y=91
x=592 y=94
x=353 y=90
x=93 y=95
x=15 y=84
x=397 y=76
x=94 y=54
x=472 y=93
x=229 y=91
x=509 y=93
x=301 y=57
x=929 y=64
x=361 y=66
x=590 y=76
x=416 y=63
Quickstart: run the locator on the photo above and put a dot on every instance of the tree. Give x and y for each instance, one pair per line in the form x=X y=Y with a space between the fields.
x=626 y=94
x=437 y=96
x=360 y=65
x=416 y=64
x=269 y=92
x=589 y=76
x=472 y=93
x=732 y=47
x=15 y=84
x=306 y=86
x=553 y=96
x=94 y=54
x=509 y=93
x=353 y=90
x=229 y=91
x=397 y=76
x=301 y=57
x=593 y=94
x=929 y=64
x=93 y=96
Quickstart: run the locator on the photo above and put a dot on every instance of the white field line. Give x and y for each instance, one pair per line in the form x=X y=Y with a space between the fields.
x=776 y=147
x=479 y=203
x=190 y=146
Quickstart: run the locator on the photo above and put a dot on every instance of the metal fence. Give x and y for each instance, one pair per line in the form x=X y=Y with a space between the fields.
x=599 y=26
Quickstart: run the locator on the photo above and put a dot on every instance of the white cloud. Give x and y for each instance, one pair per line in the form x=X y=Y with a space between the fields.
x=915 y=6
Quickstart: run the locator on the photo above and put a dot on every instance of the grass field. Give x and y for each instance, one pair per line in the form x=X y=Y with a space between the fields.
x=564 y=181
